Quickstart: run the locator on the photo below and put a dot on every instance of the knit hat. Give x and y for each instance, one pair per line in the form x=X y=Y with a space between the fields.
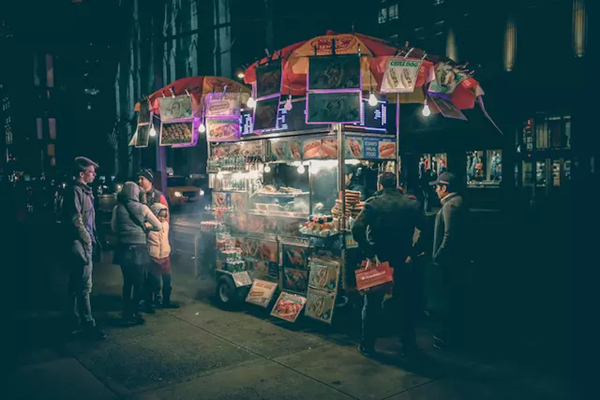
x=147 y=173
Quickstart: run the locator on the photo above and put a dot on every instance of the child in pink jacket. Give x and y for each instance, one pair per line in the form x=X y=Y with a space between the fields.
x=160 y=251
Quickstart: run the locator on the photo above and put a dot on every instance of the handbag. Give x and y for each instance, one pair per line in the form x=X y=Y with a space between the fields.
x=377 y=277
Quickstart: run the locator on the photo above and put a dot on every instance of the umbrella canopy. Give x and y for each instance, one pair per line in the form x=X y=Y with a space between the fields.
x=375 y=55
x=197 y=87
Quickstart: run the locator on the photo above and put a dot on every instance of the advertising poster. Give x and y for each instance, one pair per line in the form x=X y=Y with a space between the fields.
x=268 y=251
x=331 y=108
x=329 y=148
x=447 y=108
x=261 y=293
x=387 y=149
x=222 y=105
x=447 y=78
x=400 y=75
x=323 y=277
x=334 y=72
x=288 y=306
x=265 y=114
x=220 y=199
x=295 y=150
x=354 y=147
x=379 y=149
x=295 y=256
x=145 y=116
x=176 y=133
x=250 y=248
x=223 y=130
x=239 y=201
x=279 y=150
x=311 y=149
x=175 y=108
x=268 y=79
x=142 y=136
x=295 y=280
x=241 y=279
x=252 y=149
x=320 y=305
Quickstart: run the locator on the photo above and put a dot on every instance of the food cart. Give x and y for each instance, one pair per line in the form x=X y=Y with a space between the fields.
x=284 y=202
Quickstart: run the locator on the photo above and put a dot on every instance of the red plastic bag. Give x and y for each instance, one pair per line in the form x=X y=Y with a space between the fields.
x=378 y=276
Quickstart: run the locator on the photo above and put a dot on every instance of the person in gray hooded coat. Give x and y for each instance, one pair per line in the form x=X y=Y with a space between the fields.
x=130 y=221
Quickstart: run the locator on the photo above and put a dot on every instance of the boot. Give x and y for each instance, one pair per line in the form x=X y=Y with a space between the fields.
x=167 y=303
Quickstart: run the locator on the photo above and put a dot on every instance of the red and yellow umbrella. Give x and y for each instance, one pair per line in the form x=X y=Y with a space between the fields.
x=197 y=87
x=375 y=55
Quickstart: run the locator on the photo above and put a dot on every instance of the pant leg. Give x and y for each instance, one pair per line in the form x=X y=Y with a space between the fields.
x=453 y=323
x=371 y=318
x=166 y=287
x=83 y=301
x=138 y=277
x=151 y=283
x=405 y=290
x=128 y=306
x=75 y=276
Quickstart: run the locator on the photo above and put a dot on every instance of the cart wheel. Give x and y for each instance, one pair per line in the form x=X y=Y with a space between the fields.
x=226 y=291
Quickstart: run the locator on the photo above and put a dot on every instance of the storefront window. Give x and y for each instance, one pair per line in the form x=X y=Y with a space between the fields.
x=484 y=167
x=527 y=174
x=528 y=134
x=540 y=173
x=433 y=164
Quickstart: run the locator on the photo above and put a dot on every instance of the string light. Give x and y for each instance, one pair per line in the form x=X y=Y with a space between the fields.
x=202 y=128
x=301 y=169
x=240 y=75
x=267 y=169
x=426 y=111
x=373 y=100
x=288 y=104
x=251 y=102
x=152 y=130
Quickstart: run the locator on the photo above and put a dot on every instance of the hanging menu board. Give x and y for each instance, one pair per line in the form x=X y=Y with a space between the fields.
x=222 y=111
x=142 y=135
x=333 y=73
x=332 y=108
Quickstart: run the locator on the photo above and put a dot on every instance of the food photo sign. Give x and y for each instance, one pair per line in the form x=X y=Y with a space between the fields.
x=222 y=111
x=142 y=136
x=177 y=128
x=320 y=305
x=288 y=306
x=400 y=75
x=261 y=293
x=268 y=90
x=334 y=90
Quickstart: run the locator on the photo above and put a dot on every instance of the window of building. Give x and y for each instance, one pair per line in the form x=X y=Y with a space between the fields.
x=49 y=70
x=53 y=161
x=484 y=168
x=433 y=164
x=393 y=12
x=438 y=2
x=36 y=70
x=579 y=27
x=510 y=44
x=51 y=150
x=52 y=128
x=40 y=128
x=383 y=15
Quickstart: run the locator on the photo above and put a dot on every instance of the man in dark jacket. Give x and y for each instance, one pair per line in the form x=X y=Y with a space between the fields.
x=80 y=228
x=149 y=193
x=450 y=253
x=385 y=228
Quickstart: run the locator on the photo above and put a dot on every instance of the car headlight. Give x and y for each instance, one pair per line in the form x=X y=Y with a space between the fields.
x=119 y=187
x=177 y=194
x=201 y=192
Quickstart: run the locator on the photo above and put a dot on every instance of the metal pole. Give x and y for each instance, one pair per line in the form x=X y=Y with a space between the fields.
x=341 y=172
x=398 y=158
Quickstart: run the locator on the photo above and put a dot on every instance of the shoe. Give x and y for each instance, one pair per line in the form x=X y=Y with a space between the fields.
x=137 y=319
x=149 y=310
x=169 y=304
x=94 y=334
x=366 y=350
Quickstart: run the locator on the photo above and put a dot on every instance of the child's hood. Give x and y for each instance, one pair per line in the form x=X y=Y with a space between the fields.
x=158 y=207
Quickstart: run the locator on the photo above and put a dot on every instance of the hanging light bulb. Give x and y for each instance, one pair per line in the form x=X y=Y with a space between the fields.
x=202 y=128
x=240 y=75
x=288 y=104
x=426 y=111
x=267 y=169
x=373 y=100
x=301 y=169
x=152 y=131
x=220 y=175
x=251 y=102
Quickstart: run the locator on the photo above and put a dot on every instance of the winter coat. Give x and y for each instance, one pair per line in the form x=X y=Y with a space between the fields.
x=129 y=216
x=386 y=226
x=449 y=238
x=77 y=210
x=158 y=242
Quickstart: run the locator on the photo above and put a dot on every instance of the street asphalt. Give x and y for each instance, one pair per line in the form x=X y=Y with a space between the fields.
x=201 y=351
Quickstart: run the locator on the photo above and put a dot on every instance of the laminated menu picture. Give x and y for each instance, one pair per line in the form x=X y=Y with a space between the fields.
x=334 y=72
x=175 y=108
x=400 y=75
x=295 y=280
x=295 y=256
x=288 y=306
x=241 y=279
x=223 y=130
x=279 y=150
x=323 y=277
x=311 y=149
x=265 y=114
x=447 y=79
x=145 y=117
x=250 y=248
x=268 y=251
x=320 y=305
x=268 y=79
x=259 y=269
x=387 y=149
x=239 y=201
x=261 y=293
x=331 y=108
x=176 y=133
x=142 y=136
x=222 y=104
x=220 y=199
x=354 y=147
x=329 y=148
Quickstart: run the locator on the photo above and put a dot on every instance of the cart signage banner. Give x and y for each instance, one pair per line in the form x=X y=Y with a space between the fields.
x=178 y=133
x=323 y=276
x=142 y=136
x=333 y=72
x=265 y=114
x=372 y=148
x=268 y=79
x=400 y=75
x=223 y=130
x=288 y=306
x=295 y=256
x=311 y=149
x=261 y=293
x=175 y=108
x=295 y=280
x=241 y=279
x=447 y=79
x=222 y=105
x=447 y=108
x=280 y=150
x=329 y=148
x=333 y=108
x=320 y=305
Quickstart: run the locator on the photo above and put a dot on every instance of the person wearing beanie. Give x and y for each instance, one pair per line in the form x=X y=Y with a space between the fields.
x=149 y=194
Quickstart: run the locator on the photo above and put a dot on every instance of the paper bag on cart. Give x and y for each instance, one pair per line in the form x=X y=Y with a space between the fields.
x=374 y=276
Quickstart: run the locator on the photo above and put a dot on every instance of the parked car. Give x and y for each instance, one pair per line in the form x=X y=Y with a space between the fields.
x=180 y=191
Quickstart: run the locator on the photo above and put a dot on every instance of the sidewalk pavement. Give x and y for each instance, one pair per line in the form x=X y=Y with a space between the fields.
x=202 y=352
